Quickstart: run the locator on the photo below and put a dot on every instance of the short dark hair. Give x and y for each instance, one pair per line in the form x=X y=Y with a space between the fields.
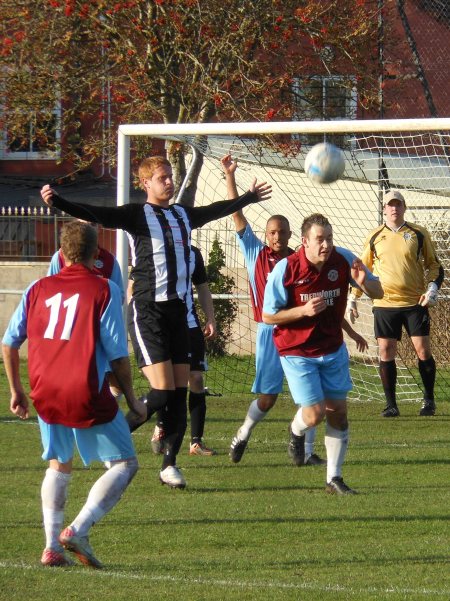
x=314 y=219
x=282 y=218
x=78 y=241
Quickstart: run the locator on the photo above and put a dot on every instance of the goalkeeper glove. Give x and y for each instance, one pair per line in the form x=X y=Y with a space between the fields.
x=430 y=298
x=352 y=309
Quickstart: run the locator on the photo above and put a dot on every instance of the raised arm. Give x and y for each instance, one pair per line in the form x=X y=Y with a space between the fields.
x=200 y=215
x=229 y=167
x=113 y=217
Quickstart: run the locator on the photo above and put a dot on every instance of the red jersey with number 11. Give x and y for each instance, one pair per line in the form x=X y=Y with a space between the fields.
x=63 y=328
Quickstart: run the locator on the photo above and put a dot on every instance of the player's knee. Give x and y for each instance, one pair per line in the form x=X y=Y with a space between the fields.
x=314 y=414
x=338 y=421
x=266 y=401
x=196 y=382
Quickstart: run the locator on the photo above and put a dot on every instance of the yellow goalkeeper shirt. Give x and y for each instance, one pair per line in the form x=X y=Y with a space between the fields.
x=405 y=261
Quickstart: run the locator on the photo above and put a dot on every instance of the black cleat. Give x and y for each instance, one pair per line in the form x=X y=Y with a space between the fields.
x=337 y=486
x=237 y=449
x=390 y=411
x=296 y=448
x=428 y=408
x=314 y=459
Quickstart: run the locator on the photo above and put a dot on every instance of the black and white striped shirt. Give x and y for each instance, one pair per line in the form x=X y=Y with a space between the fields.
x=160 y=239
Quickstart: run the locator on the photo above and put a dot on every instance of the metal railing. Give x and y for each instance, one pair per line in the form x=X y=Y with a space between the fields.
x=32 y=233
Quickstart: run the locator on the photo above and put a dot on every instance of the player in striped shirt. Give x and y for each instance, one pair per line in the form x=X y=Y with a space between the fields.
x=159 y=234
x=197 y=359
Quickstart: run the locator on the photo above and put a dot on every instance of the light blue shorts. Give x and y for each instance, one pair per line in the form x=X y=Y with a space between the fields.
x=105 y=442
x=315 y=379
x=269 y=372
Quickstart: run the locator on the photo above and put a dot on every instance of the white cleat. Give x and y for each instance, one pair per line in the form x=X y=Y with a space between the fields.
x=172 y=477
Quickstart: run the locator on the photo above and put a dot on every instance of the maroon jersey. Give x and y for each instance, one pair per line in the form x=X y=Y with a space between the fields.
x=321 y=334
x=260 y=261
x=265 y=262
x=66 y=372
x=104 y=262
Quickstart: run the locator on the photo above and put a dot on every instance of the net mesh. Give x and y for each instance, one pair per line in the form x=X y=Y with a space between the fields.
x=416 y=163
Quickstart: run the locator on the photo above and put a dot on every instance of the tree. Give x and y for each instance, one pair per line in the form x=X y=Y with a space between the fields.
x=172 y=61
x=225 y=309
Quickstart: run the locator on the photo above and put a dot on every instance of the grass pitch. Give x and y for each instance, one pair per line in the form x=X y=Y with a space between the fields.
x=260 y=530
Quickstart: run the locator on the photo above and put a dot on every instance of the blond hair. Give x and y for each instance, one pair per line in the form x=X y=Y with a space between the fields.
x=149 y=165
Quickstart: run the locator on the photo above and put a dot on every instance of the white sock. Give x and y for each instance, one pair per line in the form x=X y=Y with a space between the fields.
x=254 y=416
x=310 y=436
x=53 y=494
x=336 y=443
x=298 y=425
x=105 y=494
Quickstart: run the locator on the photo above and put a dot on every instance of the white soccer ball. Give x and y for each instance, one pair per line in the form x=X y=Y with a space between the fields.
x=324 y=163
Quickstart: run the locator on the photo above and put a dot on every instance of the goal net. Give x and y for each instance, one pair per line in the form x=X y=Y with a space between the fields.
x=410 y=155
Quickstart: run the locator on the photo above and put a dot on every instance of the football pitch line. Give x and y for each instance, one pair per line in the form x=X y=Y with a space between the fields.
x=239 y=584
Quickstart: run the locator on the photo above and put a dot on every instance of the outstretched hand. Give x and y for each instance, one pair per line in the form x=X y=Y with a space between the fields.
x=263 y=190
x=47 y=194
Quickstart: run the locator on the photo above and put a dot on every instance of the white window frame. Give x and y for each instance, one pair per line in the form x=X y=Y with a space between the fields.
x=351 y=105
x=27 y=155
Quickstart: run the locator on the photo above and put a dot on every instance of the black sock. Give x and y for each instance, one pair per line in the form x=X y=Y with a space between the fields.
x=388 y=374
x=427 y=370
x=175 y=422
x=154 y=400
x=197 y=412
x=160 y=418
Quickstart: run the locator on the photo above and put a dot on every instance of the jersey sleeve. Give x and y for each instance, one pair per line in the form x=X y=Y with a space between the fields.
x=275 y=294
x=113 y=217
x=16 y=332
x=54 y=266
x=199 y=275
x=116 y=277
x=198 y=216
x=250 y=246
x=367 y=259
x=112 y=329
x=349 y=256
x=433 y=267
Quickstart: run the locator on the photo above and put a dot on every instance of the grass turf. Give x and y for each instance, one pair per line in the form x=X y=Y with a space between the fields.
x=259 y=530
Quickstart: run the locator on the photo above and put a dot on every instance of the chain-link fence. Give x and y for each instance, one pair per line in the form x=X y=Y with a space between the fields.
x=416 y=68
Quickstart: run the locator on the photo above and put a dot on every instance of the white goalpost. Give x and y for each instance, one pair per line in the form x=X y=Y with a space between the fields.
x=412 y=155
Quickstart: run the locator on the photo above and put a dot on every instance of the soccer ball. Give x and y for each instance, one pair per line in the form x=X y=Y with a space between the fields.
x=324 y=163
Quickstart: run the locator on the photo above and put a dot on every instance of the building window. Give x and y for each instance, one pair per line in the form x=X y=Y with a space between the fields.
x=324 y=98
x=39 y=138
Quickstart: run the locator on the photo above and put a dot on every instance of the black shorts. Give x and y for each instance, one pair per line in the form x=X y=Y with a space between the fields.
x=388 y=322
x=197 y=355
x=158 y=331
